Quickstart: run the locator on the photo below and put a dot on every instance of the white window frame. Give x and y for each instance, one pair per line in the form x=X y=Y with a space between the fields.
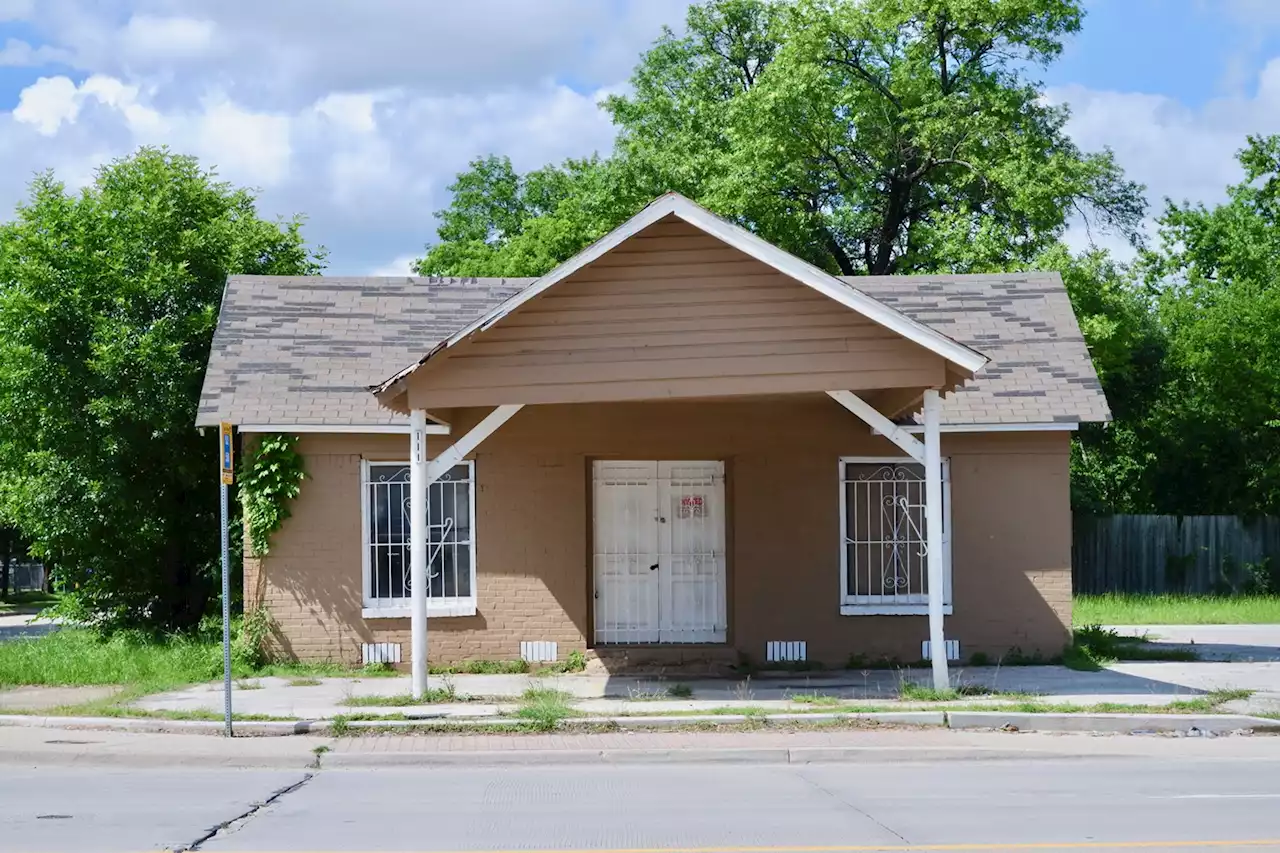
x=851 y=605
x=400 y=608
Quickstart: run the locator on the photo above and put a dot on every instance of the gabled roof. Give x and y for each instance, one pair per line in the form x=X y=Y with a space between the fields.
x=675 y=205
x=304 y=351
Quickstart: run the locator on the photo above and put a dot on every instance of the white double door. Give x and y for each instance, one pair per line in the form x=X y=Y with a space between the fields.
x=659 y=552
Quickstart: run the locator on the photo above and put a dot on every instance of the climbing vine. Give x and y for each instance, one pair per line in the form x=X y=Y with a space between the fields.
x=272 y=477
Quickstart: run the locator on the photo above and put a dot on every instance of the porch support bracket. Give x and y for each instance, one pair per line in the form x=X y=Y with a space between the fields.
x=421 y=475
x=910 y=445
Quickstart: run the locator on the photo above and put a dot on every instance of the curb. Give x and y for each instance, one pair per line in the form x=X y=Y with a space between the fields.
x=1126 y=724
x=1215 y=724
x=886 y=718
x=731 y=755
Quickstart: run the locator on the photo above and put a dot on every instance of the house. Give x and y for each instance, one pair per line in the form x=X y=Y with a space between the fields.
x=683 y=444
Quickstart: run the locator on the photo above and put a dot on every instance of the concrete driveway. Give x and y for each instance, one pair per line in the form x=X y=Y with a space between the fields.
x=1235 y=643
x=15 y=625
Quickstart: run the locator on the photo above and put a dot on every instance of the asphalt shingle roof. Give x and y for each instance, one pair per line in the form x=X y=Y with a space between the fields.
x=291 y=351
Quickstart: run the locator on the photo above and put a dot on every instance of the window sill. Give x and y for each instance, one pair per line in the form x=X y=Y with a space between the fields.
x=434 y=611
x=889 y=610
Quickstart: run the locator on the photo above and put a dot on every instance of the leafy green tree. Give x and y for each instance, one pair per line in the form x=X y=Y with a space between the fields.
x=500 y=223
x=108 y=300
x=1217 y=278
x=1110 y=463
x=876 y=136
x=868 y=136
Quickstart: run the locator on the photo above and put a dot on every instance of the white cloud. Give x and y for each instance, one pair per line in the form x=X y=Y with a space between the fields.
x=47 y=103
x=402 y=265
x=1178 y=152
x=150 y=37
x=357 y=115
x=285 y=54
x=253 y=146
x=16 y=52
x=16 y=10
x=349 y=111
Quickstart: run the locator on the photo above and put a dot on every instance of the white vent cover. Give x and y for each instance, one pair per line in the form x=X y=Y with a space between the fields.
x=952 y=647
x=380 y=653
x=539 y=651
x=779 y=651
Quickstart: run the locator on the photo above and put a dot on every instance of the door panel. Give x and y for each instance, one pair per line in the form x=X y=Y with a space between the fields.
x=691 y=541
x=626 y=591
x=659 y=561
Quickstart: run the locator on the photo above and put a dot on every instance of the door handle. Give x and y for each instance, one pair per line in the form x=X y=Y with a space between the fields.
x=654 y=567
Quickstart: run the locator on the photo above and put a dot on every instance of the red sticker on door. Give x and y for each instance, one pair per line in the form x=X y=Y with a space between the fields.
x=693 y=506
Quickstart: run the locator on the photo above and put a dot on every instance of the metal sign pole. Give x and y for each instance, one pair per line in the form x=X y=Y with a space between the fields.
x=228 y=475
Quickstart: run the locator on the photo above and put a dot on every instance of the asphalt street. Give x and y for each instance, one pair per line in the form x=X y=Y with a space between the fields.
x=1108 y=803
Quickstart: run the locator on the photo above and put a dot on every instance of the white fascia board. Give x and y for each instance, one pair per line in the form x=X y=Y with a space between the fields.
x=915 y=429
x=747 y=243
x=356 y=429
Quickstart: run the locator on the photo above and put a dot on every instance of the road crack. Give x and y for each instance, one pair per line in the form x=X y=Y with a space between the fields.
x=854 y=807
x=234 y=823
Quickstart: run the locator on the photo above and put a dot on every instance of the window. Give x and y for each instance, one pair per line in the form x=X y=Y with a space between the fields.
x=451 y=567
x=882 y=532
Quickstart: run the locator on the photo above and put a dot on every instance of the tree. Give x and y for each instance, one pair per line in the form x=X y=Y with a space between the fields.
x=867 y=136
x=1216 y=276
x=1111 y=463
x=108 y=300
x=500 y=223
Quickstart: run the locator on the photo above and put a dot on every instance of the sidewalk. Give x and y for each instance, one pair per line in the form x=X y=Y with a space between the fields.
x=44 y=748
x=1150 y=684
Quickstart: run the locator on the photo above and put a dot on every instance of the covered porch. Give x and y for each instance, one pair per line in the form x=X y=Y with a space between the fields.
x=680 y=315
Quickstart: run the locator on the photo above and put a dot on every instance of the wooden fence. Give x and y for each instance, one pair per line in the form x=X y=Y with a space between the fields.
x=1167 y=553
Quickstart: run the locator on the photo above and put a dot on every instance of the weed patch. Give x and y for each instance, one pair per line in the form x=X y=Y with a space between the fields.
x=1093 y=647
x=544 y=707
x=820 y=699
x=915 y=692
x=482 y=667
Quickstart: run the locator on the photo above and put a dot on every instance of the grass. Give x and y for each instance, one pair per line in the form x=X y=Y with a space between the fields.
x=544 y=707
x=1093 y=647
x=139 y=666
x=482 y=667
x=1123 y=609
x=27 y=601
x=911 y=691
x=304 y=682
x=817 y=699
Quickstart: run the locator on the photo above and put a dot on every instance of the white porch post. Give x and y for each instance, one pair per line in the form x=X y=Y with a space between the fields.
x=418 y=549
x=933 y=534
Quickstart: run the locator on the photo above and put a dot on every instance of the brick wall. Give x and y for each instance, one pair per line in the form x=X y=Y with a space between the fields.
x=1010 y=547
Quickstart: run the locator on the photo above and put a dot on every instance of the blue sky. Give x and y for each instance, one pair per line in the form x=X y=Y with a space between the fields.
x=359 y=114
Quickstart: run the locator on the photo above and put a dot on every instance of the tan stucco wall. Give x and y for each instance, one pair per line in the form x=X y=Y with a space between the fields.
x=1011 y=547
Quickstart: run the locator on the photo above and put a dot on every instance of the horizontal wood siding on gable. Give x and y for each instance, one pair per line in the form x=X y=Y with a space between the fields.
x=670 y=313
